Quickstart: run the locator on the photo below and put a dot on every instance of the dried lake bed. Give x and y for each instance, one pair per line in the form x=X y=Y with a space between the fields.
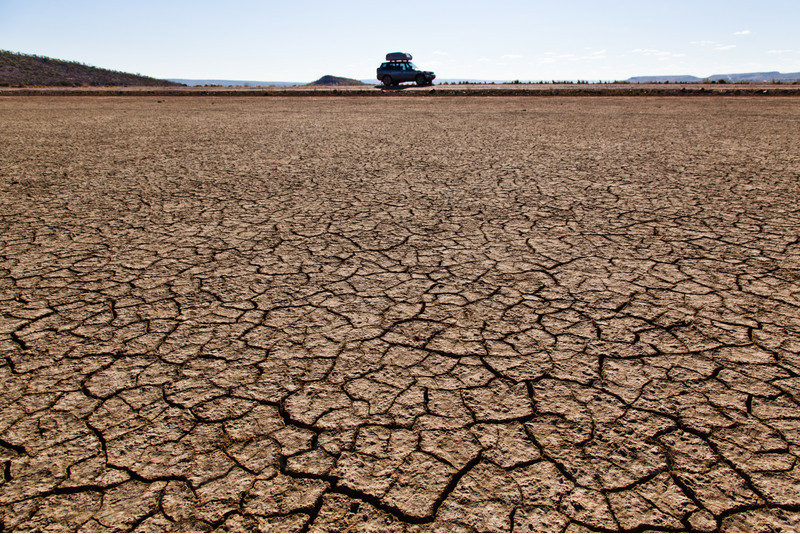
x=399 y=314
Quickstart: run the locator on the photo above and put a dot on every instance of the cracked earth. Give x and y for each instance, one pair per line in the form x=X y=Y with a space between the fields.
x=414 y=314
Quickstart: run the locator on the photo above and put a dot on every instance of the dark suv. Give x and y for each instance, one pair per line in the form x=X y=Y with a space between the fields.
x=398 y=69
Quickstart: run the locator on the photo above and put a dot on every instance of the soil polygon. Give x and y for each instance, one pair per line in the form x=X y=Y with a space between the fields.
x=399 y=314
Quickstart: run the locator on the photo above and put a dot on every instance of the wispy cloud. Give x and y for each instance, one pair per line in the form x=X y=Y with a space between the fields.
x=780 y=51
x=743 y=32
x=657 y=53
x=553 y=57
x=511 y=56
x=595 y=55
x=440 y=53
x=716 y=45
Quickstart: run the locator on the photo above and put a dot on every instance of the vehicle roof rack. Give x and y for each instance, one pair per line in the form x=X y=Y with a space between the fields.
x=398 y=56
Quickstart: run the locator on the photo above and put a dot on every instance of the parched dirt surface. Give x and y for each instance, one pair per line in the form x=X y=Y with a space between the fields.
x=353 y=314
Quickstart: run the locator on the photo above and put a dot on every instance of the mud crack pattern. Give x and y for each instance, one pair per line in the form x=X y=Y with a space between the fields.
x=500 y=314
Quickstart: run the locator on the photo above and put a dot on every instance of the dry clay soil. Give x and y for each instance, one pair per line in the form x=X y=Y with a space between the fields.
x=399 y=314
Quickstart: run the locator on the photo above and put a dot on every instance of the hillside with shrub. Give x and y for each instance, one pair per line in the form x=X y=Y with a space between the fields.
x=25 y=70
x=336 y=80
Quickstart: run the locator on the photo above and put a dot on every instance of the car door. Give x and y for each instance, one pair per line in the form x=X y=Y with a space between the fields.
x=396 y=72
x=408 y=73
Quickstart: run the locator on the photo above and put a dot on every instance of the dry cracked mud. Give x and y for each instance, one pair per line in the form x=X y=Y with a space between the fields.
x=411 y=314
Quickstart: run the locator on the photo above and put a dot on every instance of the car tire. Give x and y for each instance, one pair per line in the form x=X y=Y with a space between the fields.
x=387 y=81
x=421 y=80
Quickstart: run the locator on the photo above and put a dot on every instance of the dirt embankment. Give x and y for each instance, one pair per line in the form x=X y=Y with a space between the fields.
x=438 y=90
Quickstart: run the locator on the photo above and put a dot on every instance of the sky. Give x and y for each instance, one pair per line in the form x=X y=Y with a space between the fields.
x=303 y=40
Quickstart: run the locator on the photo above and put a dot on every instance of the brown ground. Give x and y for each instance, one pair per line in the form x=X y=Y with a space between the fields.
x=399 y=314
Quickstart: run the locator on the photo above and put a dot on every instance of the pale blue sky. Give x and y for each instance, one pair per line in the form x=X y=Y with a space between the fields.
x=501 y=39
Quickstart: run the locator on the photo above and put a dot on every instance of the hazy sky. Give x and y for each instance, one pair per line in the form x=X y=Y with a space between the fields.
x=302 y=40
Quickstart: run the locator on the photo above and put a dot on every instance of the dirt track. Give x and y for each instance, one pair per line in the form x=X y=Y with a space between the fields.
x=399 y=314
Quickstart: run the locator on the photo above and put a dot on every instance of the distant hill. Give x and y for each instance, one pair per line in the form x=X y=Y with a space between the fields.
x=764 y=77
x=665 y=79
x=336 y=80
x=232 y=83
x=18 y=69
x=772 y=76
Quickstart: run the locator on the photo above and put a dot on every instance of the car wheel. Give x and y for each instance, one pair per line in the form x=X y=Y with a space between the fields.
x=387 y=81
x=421 y=80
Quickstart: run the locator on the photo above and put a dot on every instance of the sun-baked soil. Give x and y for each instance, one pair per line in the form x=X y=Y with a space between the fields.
x=430 y=313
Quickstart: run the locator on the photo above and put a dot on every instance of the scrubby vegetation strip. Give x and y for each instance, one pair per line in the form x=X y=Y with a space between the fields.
x=589 y=90
x=27 y=70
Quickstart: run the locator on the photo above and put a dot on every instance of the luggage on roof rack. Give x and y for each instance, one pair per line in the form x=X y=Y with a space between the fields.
x=398 y=56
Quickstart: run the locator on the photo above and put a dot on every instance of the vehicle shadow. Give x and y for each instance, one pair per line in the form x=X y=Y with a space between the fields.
x=401 y=87
x=393 y=87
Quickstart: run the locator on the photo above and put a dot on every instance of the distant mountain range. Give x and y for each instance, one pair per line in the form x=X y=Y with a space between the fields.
x=232 y=83
x=325 y=80
x=752 y=77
